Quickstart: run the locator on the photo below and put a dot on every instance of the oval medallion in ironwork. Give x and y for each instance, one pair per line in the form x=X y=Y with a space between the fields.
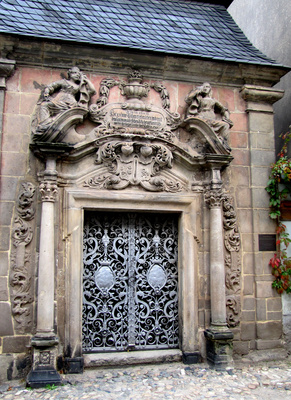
x=104 y=279
x=157 y=277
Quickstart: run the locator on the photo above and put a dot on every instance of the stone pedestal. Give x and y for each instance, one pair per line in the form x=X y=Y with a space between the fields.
x=44 y=360
x=219 y=346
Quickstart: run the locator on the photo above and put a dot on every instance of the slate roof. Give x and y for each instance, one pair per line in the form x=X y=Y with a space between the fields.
x=181 y=27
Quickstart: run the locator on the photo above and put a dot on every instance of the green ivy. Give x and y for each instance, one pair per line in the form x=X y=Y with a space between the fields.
x=280 y=174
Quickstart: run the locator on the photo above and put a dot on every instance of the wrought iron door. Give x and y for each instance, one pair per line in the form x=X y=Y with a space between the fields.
x=130 y=282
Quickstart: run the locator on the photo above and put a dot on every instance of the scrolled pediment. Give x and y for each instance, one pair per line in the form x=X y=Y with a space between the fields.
x=137 y=144
x=203 y=137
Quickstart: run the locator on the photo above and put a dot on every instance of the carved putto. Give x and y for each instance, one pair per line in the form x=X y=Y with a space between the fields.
x=56 y=100
x=201 y=104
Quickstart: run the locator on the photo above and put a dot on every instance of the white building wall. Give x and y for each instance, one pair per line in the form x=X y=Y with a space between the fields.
x=267 y=24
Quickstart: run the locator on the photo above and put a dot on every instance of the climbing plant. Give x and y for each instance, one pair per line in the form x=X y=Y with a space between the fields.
x=280 y=177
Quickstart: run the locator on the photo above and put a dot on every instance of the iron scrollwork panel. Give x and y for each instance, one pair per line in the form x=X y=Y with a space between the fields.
x=156 y=291
x=105 y=284
x=130 y=282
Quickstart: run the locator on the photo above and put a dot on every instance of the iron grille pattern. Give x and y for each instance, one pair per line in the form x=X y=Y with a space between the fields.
x=130 y=282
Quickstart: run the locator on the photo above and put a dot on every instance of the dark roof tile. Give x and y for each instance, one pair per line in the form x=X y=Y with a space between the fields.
x=185 y=27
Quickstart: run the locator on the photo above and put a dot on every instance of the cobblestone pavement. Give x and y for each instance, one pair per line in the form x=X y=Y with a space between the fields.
x=166 y=381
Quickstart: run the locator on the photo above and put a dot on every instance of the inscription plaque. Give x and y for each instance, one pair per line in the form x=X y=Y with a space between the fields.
x=267 y=242
x=136 y=119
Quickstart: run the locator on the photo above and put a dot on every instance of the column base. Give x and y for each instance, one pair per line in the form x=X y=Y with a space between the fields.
x=42 y=376
x=219 y=347
x=191 y=358
x=43 y=370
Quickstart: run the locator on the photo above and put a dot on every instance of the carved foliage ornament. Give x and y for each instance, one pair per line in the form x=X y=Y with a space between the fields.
x=25 y=207
x=132 y=89
x=22 y=298
x=233 y=311
x=22 y=232
x=232 y=244
x=20 y=277
x=133 y=163
x=232 y=236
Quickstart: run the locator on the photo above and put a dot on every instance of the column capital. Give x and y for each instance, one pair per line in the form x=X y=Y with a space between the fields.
x=6 y=69
x=214 y=198
x=261 y=94
x=49 y=191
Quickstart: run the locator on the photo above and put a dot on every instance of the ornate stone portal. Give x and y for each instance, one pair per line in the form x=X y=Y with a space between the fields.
x=130 y=156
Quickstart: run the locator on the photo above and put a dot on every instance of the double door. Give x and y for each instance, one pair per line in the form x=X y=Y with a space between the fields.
x=130 y=282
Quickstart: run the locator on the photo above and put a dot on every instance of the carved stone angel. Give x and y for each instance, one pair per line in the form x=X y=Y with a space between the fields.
x=204 y=106
x=60 y=96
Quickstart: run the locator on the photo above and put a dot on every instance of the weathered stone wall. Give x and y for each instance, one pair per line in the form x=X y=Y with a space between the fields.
x=261 y=306
x=251 y=139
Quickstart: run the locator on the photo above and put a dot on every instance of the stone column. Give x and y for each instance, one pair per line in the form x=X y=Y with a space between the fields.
x=265 y=331
x=45 y=299
x=217 y=274
x=218 y=336
x=45 y=341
